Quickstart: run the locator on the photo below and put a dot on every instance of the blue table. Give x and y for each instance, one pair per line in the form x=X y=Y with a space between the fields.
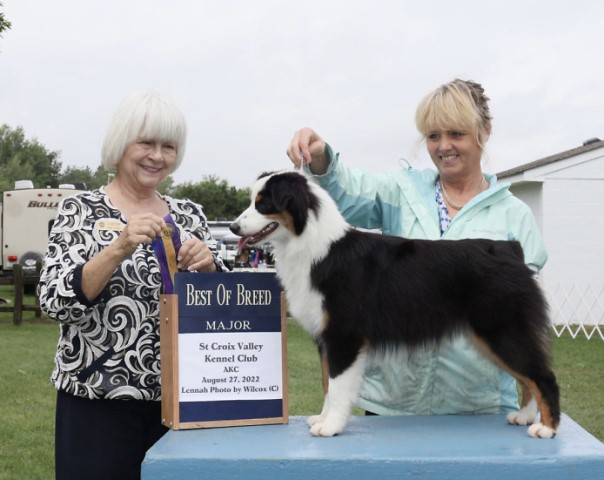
x=438 y=447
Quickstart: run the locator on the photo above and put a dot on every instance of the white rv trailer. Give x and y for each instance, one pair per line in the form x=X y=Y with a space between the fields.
x=27 y=215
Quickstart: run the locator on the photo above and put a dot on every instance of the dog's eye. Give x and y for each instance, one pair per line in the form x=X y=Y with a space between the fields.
x=264 y=205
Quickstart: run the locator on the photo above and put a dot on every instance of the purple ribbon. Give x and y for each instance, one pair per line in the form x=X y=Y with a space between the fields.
x=166 y=247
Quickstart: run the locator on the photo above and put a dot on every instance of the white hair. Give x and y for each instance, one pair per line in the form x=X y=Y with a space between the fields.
x=144 y=115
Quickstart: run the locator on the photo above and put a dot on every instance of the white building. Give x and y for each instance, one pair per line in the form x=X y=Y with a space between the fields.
x=566 y=193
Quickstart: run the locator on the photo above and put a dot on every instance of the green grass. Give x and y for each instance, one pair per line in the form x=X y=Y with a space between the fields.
x=27 y=400
x=27 y=397
x=304 y=372
x=579 y=367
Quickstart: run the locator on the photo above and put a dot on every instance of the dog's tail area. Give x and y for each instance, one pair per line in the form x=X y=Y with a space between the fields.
x=528 y=361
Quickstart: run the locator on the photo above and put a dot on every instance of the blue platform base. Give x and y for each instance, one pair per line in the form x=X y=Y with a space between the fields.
x=430 y=448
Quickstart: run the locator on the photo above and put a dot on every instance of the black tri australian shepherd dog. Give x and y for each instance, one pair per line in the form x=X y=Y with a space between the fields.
x=354 y=291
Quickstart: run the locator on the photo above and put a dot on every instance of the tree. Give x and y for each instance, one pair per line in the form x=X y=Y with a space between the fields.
x=4 y=23
x=85 y=175
x=23 y=159
x=13 y=171
x=218 y=199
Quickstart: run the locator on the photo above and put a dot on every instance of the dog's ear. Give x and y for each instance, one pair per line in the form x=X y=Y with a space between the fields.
x=290 y=193
x=264 y=174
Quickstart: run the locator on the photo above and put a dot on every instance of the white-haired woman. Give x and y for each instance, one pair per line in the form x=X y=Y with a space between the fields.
x=101 y=281
x=454 y=201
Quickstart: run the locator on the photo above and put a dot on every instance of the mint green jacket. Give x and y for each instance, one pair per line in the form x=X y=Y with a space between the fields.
x=450 y=378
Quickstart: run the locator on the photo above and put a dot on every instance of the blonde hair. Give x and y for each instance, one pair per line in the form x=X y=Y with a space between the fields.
x=457 y=105
x=144 y=115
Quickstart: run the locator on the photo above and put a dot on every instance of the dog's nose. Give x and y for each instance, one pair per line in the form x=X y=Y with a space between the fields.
x=234 y=227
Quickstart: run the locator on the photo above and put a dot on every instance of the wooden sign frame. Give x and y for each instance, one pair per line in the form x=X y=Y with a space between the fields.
x=197 y=324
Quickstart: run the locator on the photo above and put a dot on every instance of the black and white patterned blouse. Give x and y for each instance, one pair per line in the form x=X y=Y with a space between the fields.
x=108 y=348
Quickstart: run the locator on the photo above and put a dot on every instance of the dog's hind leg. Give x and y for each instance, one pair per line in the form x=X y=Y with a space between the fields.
x=545 y=390
x=545 y=394
x=528 y=408
x=342 y=393
x=528 y=362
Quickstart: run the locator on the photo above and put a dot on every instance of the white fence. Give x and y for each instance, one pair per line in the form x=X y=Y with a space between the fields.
x=576 y=308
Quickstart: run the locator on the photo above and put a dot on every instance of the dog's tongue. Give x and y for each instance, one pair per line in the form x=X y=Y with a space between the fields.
x=243 y=242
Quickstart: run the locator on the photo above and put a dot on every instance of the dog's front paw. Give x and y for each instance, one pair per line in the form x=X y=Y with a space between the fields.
x=312 y=420
x=327 y=427
x=520 y=418
x=538 y=430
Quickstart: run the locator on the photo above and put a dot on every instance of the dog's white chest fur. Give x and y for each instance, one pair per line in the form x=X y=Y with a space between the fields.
x=304 y=302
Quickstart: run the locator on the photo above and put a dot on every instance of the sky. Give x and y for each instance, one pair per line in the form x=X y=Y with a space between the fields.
x=248 y=73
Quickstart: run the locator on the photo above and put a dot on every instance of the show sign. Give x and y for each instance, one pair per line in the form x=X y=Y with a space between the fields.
x=223 y=351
